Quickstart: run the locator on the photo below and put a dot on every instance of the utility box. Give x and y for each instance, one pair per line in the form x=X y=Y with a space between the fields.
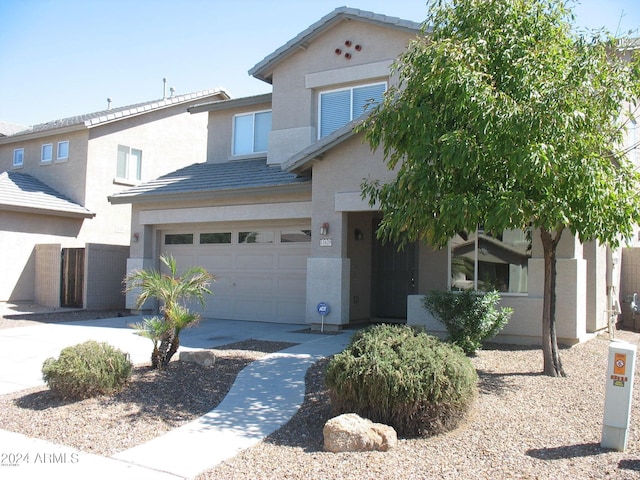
x=618 y=394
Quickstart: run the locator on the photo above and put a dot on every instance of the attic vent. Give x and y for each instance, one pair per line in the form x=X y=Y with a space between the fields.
x=349 y=49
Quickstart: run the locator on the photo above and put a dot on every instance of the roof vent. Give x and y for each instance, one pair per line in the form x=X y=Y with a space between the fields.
x=108 y=104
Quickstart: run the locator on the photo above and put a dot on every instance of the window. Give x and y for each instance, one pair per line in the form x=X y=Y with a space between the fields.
x=255 y=237
x=18 y=157
x=339 y=107
x=178 y=239
x=295 y=236
x=63 y=150
x=129 y=163
x=46 y=153
x=215 y=237
x=481 y=261
x=251 y=132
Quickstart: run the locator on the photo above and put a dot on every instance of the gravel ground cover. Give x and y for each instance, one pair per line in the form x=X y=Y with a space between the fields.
x=153 y=403
x=523 y=425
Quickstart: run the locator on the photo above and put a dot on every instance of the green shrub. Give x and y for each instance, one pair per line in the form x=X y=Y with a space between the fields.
x=399 y=376
x=469 y=317
x=87 y=370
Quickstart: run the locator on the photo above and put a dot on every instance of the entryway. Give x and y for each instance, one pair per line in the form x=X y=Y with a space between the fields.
x=394 y=278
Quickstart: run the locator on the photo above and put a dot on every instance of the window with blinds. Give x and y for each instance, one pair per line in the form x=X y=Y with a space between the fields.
x=251 y=132
x=339 y=107
x=129 y=163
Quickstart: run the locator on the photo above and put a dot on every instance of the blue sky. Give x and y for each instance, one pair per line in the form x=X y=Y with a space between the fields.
x=60 y=58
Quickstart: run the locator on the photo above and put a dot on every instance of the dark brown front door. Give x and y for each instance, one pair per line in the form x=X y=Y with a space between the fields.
x=394 y=278
x=72 y=280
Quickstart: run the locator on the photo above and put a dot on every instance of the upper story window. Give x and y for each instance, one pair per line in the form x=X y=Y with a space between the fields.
x=18 y=157
x=485 y=262
x=251 y=132
x=46 y=153
x=63 y=151
x=339 y=107
x=129 y=163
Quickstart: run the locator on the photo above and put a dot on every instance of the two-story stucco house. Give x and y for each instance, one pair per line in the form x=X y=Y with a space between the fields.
x=61 y=242
x=276 y=212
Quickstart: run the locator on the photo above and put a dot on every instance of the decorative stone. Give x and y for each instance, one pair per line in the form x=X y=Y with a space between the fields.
x=206 y=358
x=351 y=433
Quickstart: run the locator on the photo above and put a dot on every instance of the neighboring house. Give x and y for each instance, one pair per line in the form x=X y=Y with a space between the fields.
x=276 y=212
x=62 y=242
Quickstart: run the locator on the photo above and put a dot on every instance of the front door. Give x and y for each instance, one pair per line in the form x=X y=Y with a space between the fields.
x=394 y=278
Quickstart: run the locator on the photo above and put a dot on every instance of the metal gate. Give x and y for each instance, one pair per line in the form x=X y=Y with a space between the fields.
x=72 y=280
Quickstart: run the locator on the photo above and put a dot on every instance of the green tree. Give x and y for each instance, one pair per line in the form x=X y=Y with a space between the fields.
x=504 y=117
x=172 y=291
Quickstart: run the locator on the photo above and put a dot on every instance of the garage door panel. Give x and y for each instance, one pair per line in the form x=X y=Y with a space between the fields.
x=260 y=282
x=292 y=287
x=292 y=262
x=255 y=261
x=216 y=262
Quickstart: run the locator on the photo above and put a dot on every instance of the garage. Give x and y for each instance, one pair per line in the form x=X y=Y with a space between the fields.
x=260 y=270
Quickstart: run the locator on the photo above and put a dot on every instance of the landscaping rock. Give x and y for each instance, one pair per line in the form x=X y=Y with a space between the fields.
x=351 y=433
x=206 y=358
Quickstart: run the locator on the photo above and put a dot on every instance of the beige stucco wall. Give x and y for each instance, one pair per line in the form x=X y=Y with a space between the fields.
x=66 y=176
x=20 y=234
x=220 y=132
x=301 y=76
x=169 y=139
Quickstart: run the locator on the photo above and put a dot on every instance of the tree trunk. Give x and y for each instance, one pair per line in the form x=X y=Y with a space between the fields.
x=552 y=363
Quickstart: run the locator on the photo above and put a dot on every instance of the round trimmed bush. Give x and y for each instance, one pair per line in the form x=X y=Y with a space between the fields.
x=399 y=376
x=86 y=370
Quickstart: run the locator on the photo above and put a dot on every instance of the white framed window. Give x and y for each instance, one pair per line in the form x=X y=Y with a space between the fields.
x=339 y=107
x=485 y=262
x=251 y=132
x=18 y=157
x=46 y=153
x=63 y=151
x=129 y=163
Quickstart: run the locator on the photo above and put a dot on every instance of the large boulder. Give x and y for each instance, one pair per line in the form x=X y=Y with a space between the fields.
x=206 y=358
x=351 y=433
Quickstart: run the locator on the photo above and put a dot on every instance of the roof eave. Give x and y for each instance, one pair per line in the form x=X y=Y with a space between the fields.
x=20 y=137
x=46 y=211
x=160 y=197
x=263 y=70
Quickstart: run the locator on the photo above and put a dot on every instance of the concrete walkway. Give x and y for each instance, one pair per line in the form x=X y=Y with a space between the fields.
x=264 y=397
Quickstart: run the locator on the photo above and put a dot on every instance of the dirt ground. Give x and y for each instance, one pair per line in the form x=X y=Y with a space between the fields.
x=26 y=314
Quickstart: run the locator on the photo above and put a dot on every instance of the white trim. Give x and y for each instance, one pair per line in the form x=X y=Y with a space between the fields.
x=50 y=159
x=231 y=213
x=15 y=155
x=343 y=89
x=253 y=131
x=58 y=157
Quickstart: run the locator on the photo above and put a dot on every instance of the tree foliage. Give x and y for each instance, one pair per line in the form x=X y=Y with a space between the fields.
x=504 y=117
x=172 y=290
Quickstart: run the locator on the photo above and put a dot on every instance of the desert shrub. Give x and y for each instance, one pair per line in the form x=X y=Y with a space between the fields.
x=469 y=317
x=399 y=376
x=86 y=370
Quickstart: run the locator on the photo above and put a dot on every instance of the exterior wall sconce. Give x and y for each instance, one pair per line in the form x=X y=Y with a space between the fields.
x=324 y=229
x=135 y=237
x=357 y=233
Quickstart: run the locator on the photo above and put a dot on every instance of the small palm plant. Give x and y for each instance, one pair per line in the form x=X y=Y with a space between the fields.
x=172 y=291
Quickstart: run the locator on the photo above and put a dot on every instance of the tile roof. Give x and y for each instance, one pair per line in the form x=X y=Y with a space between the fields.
x=262 y=70
x=212 y=177
x=7 y=128
x=24 y=193
x=89 y=120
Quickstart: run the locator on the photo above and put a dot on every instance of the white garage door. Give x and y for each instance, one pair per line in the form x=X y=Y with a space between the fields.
x=260 y=272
